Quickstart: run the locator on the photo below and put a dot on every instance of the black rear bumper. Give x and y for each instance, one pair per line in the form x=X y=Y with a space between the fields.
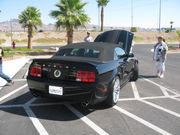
x=72 y=91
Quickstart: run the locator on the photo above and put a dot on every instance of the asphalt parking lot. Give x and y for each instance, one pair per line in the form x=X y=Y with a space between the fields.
x=149 y=106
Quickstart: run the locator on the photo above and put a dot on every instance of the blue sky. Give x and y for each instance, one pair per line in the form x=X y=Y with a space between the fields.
x=117 y=12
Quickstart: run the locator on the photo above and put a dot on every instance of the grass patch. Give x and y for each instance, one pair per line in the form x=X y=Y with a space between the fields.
x=27 y=50
x=48 y=40
x=172 y=39
x=138 y=39
x=21 y=41
x=9 y=34
x=2 y=41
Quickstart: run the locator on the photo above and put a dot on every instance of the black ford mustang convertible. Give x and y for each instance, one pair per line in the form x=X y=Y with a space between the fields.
x=90 y=73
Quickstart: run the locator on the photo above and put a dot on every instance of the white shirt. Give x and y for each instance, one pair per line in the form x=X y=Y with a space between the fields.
x=161 y=46
x=88 y=39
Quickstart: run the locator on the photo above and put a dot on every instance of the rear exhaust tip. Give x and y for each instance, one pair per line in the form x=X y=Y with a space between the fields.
x=35 y=94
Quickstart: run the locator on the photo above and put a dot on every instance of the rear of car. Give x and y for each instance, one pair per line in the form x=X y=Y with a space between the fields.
x=65 y=76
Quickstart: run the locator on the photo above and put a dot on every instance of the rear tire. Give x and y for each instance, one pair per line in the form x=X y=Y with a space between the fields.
x=114 y=92
x=135 y=73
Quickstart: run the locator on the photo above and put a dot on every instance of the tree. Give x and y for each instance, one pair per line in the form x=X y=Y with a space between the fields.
x=133 y=29
x=70 y=15
x=171 y=22
x=30 y=18
x=102 y=4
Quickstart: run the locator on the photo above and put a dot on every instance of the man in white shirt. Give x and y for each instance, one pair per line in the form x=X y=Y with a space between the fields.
x=88 y=38
x=160 y=53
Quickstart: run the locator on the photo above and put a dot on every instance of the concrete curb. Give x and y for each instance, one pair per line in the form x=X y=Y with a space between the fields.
x=11 y=68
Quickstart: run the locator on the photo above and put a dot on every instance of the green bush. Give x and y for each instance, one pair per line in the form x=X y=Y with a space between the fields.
x=168 y=30
x=133 y=29
x=2 y=41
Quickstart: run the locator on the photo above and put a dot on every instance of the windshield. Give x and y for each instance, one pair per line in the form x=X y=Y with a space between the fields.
x=79 y=52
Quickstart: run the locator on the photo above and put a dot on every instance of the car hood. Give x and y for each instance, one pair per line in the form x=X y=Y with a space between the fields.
x=122 y=37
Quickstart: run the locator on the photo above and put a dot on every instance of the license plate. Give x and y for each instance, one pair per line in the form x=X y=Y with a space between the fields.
x=56 y=90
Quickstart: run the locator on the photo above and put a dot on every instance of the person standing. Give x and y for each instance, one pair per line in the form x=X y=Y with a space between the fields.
x=88 y=38
x=2 y=75
x=160 y=55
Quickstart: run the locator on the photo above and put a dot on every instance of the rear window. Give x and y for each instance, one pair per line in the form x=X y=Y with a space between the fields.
x=79 y=52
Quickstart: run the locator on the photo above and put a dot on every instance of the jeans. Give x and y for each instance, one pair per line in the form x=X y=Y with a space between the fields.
x=2 y=75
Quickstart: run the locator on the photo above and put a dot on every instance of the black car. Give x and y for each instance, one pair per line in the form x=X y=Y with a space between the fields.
x=90 y=73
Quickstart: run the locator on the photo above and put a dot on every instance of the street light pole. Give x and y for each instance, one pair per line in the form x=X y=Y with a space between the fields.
x=11 y=30
x=159 y=15
x=131 y=14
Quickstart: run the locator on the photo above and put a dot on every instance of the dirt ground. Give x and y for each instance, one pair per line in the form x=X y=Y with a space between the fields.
x=60 y=37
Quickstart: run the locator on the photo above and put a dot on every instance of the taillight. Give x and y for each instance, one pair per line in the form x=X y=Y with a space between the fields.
x=36 y=71
x=85 y=76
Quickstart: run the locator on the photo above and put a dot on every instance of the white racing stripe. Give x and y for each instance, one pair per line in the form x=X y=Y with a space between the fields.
x=135 y=91
x=86 y=120
x=160 y=108
x=142 y=121
x=13 y=92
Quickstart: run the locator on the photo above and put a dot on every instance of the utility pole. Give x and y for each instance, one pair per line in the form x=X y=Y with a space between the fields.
x=159 y=15
x=131 y=14
x=11 y=30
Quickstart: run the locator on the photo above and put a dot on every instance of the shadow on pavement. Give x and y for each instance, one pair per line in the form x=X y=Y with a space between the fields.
x=47 y=112
x=147 y=76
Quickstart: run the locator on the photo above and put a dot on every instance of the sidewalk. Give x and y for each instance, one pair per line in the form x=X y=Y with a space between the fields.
x=11 y=68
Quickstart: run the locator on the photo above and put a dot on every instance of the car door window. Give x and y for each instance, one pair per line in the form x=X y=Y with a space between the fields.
x=118 y=52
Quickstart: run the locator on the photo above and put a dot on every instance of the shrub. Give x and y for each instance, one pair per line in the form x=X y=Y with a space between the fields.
x=133 y=29
x=2 y=41
x=40 y=31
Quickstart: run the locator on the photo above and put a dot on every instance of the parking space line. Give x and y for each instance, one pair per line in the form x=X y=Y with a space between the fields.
x=174 y=98
x=135 y=91
x=86 y=120
x=143 y=98
x=37 y=124
x=142 y=121
x=13 y=92
x=160 y=86
x=164 y=91
x=160 y=108
x=10 y=106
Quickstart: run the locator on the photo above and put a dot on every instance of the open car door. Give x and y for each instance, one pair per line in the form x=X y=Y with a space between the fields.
x=122 y=37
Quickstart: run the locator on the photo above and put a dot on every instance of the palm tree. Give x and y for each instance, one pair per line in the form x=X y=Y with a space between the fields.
x=70 y=15
x=30 y=18
x=171 y=22
x=102 y=4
